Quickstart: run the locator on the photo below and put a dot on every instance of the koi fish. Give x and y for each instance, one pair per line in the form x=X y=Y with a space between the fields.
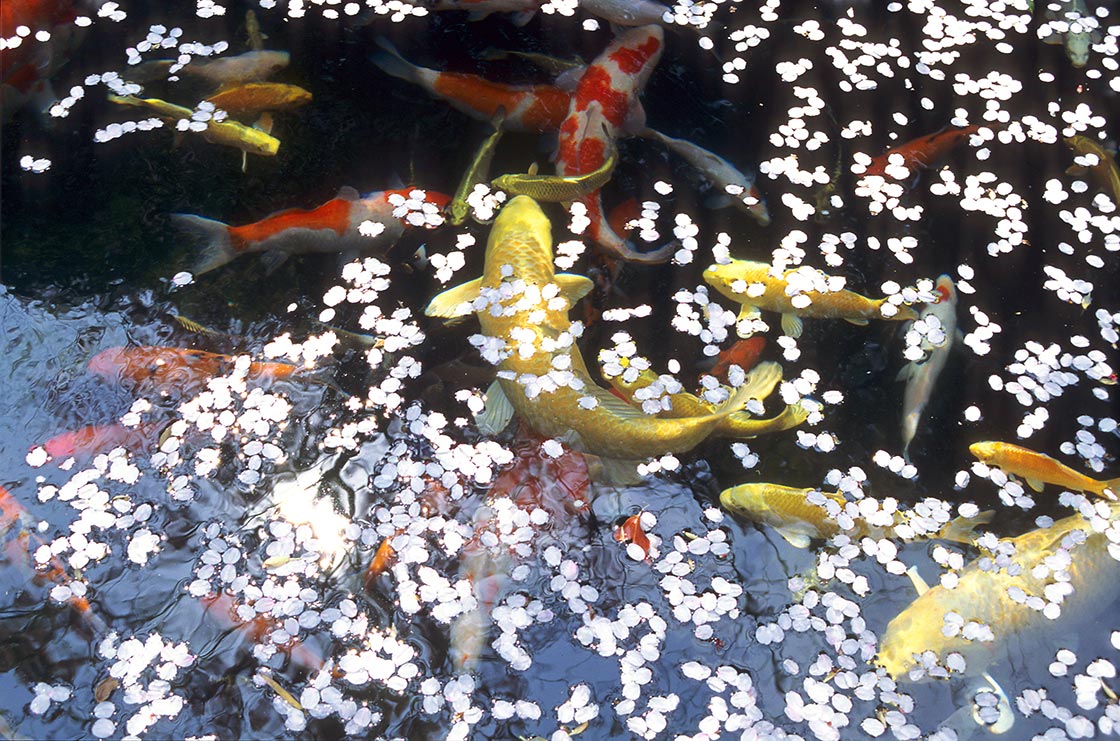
x=529 y=108
x=547 y=62
x=557 y=188
x=255 y=98
x=921 y=153
x=522 y=10
x=731 y=187
x=175 y=368
x=1078 y=28
x=335 y=226
x=459 y=209
x=996 y=598
x=921 y=376
x=93 y=440
x=522 y=303
x=744 y=353
x=756 y=287
x=1105 y=171
x=649 y=388
x=605 y=102
x=225 y=133
x=628 y=12
x=803 y=515
x=1038 y=469
x=252 y=66
x=222 y=608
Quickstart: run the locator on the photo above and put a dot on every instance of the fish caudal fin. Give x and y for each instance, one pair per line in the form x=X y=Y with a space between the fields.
x=735 y=403
x=390 y=61
x=963 y=529
x=217 y=247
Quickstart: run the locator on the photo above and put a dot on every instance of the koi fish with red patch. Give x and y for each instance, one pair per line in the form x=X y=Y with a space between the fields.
x=528 y=108
x=345 y=223
x=606 y=103
x=744 y=353
x=177 y=369
x=921 y=153
x=92 y=440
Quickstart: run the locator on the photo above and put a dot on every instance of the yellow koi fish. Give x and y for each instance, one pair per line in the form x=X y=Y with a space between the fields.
x=522 y=305
x=226 y=133
x=1038 y=469
x=1105 y=171
x=558 y=188
x=804 y=292
x=804 y=515
x=459 y=209
x=989 y=606
x=761 y=380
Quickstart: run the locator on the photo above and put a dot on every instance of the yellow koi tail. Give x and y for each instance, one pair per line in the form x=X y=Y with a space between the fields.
x=963 y=529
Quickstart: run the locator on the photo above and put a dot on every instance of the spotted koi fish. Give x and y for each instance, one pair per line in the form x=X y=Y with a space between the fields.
x=921 y=153
x=604 y=105
x=335 y=226
x=528 y=108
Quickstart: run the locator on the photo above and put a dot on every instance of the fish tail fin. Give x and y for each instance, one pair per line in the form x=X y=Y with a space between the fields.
x=735 y=403
x=601 y=231
x=217 y=246
x=963 y=529
x=390 y=61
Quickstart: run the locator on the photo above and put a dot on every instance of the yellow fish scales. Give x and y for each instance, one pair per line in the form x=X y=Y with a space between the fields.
x=226 y=133
x=558 y=188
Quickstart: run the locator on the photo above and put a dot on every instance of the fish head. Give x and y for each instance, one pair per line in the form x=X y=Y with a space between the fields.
x=721 y=276
x=273 y=61
x=946 y=291
x=983 y=451
x=258 y=142
x=744 y=500
x=756 y=206
x=522 y=226
x=108 y=363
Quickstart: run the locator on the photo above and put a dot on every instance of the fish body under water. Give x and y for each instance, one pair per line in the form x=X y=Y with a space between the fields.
x=458 y=210
x=558 y=188
x=523 y=304
x=922 y=376
x=732 y=187
x=26 y=68
x=251 y=66
x=628 y=12
x=921 y=153
x=223 y=609
x=1074 y=546
x=224 y=133
x=605 y=105
x=177 y=369
x=92 y=440
x=528 y=108
x=803 y=515
x=522 y=10
x=755 y=287
x=255 y=98
x=335 y=226
x=744 y=353
x=1105 y=171
x=1038 y=469
x=1081 y=26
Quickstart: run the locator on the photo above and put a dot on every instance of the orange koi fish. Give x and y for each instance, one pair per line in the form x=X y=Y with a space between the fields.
x=744 y=353
x=605 y=100
x=254 y=98
x=923 y=152
x=335 y=226
x=222 y=608
x=87 y=442
x=630 y=531
x=1038 y=469
x=177 y=368
x=529 y=108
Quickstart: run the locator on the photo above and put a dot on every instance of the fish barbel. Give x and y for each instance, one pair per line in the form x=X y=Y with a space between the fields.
x=1105 y=171
x=811 y=294
x=804 y=515
x=225 y=133
x=522 y=304
x=1068 y=568
x=921 y=376
x=1038 y=469
x=557 y=188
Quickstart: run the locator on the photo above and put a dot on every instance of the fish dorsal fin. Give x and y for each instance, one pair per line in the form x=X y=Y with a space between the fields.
x=916 y=579
x=792 y=325
x=574 y=287
x=348 y=193
x=497 y=413
x=568 y=80
x=533 y=169
x=455 y=302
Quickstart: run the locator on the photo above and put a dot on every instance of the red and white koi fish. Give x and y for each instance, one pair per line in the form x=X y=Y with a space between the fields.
x=528 y=108
x=605 y=102
x=92 y=440
x=921 y=153
x=335 y=226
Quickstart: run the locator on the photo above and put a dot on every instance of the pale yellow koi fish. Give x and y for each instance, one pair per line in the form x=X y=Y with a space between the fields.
x=226 y=133
x=1038 y=469
x=557 y=188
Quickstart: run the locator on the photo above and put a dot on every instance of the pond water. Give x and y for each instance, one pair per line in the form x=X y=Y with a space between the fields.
x=248 y=497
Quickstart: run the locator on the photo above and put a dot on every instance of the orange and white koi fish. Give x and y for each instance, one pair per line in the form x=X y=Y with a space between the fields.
x=252 y=66
x=176 y=369
x=93 y=440
x=1038 y=469
x=528 y=108
x=222 y=608
x=921 y=153
x=604 y=105
x=921 y=376
x=335 y=226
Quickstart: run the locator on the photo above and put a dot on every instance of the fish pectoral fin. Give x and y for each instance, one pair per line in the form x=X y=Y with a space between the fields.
x=264 y=123
x=497 y=413
x=1035 y=484
x=792 y=325
x=748 y=313
x=963 y=529
x=717 y=200
x=455 y=302
x=795 y=536
x=920 y=585
x=574 y=287
x=615 y=472
x=348 y=193
x=856 y=320
x=272 y=260
x=569 y=79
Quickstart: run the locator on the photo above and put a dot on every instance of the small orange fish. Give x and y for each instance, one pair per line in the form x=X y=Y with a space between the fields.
x=923 y=152
x=96 y=439
x=175 y=368
x=744 y=353
x=222 y=608
x=382 y=560
x=252 y=99
x=631 y=531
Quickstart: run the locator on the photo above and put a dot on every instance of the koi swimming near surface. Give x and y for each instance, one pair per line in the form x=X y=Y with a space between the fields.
x=1038 y=469
x=254 y=98
x=251 y=66
x=744 y=353
x=921 y=376
x=92 y=440
x=919 y=154
x=177 y=369
x=225 y=133
x=346 y=223
x=557 y=188
x=458 y=210
x=1105 y=170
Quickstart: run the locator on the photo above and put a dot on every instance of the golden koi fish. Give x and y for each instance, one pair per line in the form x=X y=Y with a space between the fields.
x=995 y=599
x=522 y=305
x=557 y=188
x=1038 y=469
x=459 y=209
x=804 y=515
x=1105 y=171
x=757 y=287
x=226 y=133
x=255 y=98
x=761 y=381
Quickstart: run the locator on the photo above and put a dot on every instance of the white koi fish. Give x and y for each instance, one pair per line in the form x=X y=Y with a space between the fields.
x=921 y=376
